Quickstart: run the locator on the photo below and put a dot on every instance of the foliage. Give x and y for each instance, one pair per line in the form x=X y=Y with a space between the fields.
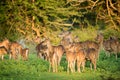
x=110 y=32
x=34 y=68
x=85 y=34
x=43 y=17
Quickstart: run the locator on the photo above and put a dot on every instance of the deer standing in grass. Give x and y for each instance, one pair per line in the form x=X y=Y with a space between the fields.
x=15 y=50
x=53 y=54
x=111 y=46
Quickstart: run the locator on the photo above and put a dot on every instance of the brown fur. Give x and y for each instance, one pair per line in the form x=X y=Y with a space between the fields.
x=111 y=46
x=71 y=58
x=91 y=54
x=86 y=54
x=80 y=57
x=3 y=52
x=94 y=45
x=16 y=50
x=66 y=37
x=88 y=50
x=59 y=50
x=25 y=53
x=5 y=43
x=53 y=54
x=41 y=51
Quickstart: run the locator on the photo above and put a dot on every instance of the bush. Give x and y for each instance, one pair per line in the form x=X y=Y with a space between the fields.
x=111 y=32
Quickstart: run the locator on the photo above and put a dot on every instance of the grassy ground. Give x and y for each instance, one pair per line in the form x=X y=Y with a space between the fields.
x=37 y=69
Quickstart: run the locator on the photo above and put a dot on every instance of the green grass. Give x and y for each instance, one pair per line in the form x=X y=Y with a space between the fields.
x=36 y=69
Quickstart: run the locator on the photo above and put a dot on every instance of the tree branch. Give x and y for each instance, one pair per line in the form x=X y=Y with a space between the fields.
x=112 y=6
x=21 y=31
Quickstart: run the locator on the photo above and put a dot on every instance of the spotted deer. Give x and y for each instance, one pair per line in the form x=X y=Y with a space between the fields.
x=25 y=53
x=111 y=46
x=15 y=50
x=53 y=54
x=71 y=58
x=5 y=43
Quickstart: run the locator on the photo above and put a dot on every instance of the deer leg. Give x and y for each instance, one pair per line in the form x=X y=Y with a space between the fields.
x=13 y=55
x=56 y=65
x=95 y=66
x=58 y=61
x=38 y=55
x=91 y=65
x=83 y=66
x=73 y=66
x=68 y=67
x=50 y=65
x=2 y=57
x=78 y=66
x=94 y=63
x=10 y=56
x=53 y=66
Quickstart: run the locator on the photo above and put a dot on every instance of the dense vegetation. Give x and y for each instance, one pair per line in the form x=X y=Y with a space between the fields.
x=30 y=18
x=36 y=69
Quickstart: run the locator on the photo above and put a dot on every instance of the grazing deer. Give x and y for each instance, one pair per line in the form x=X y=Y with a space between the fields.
x=41 y=51
x=3 y=51
x=5 y=43
x=15 y=49
x=25 y=53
